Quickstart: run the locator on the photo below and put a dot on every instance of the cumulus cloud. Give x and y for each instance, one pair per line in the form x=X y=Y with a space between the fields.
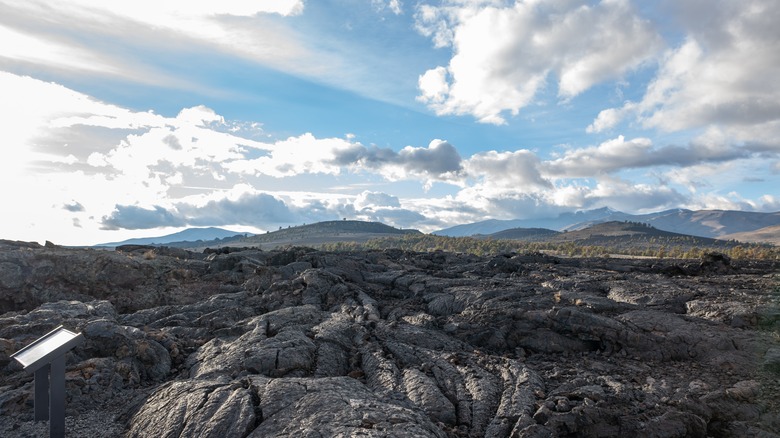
x=607 y=157
x=201 y=116
x=626 y=195
x=609 y=118
x=73 y=207
x=132 y=217
x=186 y=142
x=717 y=76
x=440 y=161
x=734 y=201
x=565 y=196
x=135 y=170
x=374 y=200
x=395 y=6
x=518 y=170
x=295 y=155
x=620 y=154
x=385 y=208
x=254 y=209
x=437 y=160
x=490 y=202
x=247 y=209
x=503 y=54
x=397 y=217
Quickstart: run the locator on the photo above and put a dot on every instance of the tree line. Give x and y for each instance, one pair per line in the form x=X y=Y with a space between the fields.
x=678 y=248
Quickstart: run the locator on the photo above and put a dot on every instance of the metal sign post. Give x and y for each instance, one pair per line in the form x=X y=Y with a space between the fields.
x=45 y=358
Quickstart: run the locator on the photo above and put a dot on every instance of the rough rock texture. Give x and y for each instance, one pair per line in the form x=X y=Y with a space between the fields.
x=304 y=343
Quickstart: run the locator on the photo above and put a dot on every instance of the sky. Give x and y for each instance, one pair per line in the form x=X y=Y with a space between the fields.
x=142 y=118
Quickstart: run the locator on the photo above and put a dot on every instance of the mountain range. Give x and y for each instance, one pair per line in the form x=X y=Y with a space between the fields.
x=715 y=224
x=718 y=224
x=303 y=235
x=188 y=235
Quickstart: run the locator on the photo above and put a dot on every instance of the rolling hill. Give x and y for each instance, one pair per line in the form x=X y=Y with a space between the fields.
x=632 y=233
x=188 y=235
x=620 y=236
x=525 y=234
x=721 y=224
x=558 y=223
x=312 y=235
x=762 y=235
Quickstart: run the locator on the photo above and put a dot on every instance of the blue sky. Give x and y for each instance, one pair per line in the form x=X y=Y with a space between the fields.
x=137 y=119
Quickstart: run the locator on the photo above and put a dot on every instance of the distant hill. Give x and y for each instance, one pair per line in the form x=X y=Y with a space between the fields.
x=616 y=234
x=620 y=231
x=525 y=234
x=312 y=235
x=701 y=223
x=188 y=235
x=762 y=235
x=619 y=238
x=559 y=223
x=710 y=223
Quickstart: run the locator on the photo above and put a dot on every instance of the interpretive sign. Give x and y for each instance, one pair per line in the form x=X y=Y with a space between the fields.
x=45 y=357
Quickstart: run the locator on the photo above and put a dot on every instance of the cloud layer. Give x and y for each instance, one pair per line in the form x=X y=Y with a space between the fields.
x=504 y=53
x=139 y=170
x=716 y=78
x=672 y=113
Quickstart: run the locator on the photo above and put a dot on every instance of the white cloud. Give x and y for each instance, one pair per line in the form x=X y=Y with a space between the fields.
x=135 y=170
x=768 y=203
x=137 y=167
x=237 y=27
x=430 y=21
x=30 y=48
x=132 y=217
x=294 y=156
x=718 y=77
x=564 y=196
x=187 y=143
x=180 y=14
x=395 y=6
x=85 y=164
x=696 y=177
x=199 y=116
x=434 y=86
x=733 y=201
x=608 y=119
x=440 y=161
x=610 y=156
x=620 y=154
x=504 y=53
x=506 y=204
x=631 y=196
x=374 y=200
x=518 y=171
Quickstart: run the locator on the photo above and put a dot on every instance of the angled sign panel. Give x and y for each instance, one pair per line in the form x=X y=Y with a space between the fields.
x=47 y=348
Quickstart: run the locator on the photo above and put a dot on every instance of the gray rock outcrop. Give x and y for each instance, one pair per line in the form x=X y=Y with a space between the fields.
x=305 y=343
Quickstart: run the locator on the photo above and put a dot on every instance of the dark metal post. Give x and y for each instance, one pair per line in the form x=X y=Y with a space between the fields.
x=41 y=393
x=57 y=398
